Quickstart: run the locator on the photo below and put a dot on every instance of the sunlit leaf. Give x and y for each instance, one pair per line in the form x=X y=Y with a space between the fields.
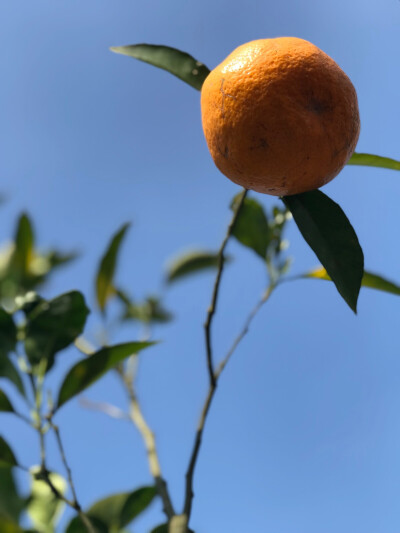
x=251 y=228
x=108 y=263
x=11 y=503
x=191 y=262
x=44 y=508
x=7 y=457
x=329 y=233
x=89 y=370
x=370 y=160
x=5 y=404
x=181 y=64
x=53 y=325
x=373 y=281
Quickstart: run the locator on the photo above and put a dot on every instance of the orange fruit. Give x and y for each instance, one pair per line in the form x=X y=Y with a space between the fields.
x=280 y=116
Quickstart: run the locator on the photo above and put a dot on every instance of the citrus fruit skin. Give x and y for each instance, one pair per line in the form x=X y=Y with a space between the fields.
x=279 y=116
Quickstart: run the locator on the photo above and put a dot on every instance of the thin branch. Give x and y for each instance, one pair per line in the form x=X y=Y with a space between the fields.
x=214 y=298
x=103 y=407
x=136 y=415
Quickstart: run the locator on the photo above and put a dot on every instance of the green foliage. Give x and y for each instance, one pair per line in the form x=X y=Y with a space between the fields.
x=8 y=333
x=8 y=371
x=150 y=311
x=329 y=233
x=5 y=404
x=370 y=160
x=116 y=511
x=105 y=276
x=44 y=508
x=373 y=281
x=76 y=526
x=252 y=228
x=191 y=262
x=7 y=457
x=178 y=63
x=89 y=370
x=52 y=326
x=11 y=503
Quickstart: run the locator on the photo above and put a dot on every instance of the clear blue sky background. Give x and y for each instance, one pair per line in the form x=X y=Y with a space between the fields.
x=304 y=434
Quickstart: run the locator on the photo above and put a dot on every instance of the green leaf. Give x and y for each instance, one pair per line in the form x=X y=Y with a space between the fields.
x=105 y=274
x=329 y=233
x=191 y=263
x=76 y=526
x=24 y=246
x=5 y=404
x=53 y=325
x=116 y=511
x=373 y=281
x=178 y=63
x=7 y=457
x=9 y=526
x=370 y=160
x=251 y=228
x=8 y=371
x=44 y=508
x=149 y=311
x=89 y=370
x=162 y=528
x=8 y=333
x=11 y=504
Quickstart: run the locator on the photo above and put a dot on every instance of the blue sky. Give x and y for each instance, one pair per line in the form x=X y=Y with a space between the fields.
x=304 y=434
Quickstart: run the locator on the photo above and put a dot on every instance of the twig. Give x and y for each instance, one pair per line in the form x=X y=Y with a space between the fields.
x=103 y=407
x=213 y=306
x=136 y=415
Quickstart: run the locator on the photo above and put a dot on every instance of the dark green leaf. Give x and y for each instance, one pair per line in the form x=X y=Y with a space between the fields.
x=57 y=259
x=9 y=526
x=251 y=228
x=76 y=526
x=24 y=246
x=7 y=457
x=119 y=510
x=8 y=371
x=54 y=325
x=191 y=263
x=180 y=64
x=105 y=274
x=44 y=508
x=89 y=370
x=11 y=504
x=5 y=404
x=163 y=528
x=373 y=281
x=149 y=311
x=8 y=333
x=329 y=233
x=370 y=160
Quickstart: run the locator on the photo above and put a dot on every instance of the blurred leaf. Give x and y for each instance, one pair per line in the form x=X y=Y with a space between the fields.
x=53 y=325
x=180 y=64
x=76 y=526
x=329 y=233
x=8 y=333
x=24 y=246
x=7 y=457
x=5 y=404
x=191 y=263
x=149 y=311
x=44 y=508
x=163 y=528
x=9 y=526
x=8 y=371
x=11 y=504
x=370 y=160
x=373 y=281
x=57 y=259
x=105 y=275
x=116 y=511
x=89 y=370
x=251 y=228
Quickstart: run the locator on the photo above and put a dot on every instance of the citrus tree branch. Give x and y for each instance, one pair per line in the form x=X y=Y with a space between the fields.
x=214 y=298
x=136 y=415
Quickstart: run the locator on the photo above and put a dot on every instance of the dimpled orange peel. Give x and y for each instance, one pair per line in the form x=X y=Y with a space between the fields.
x=280 y=116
